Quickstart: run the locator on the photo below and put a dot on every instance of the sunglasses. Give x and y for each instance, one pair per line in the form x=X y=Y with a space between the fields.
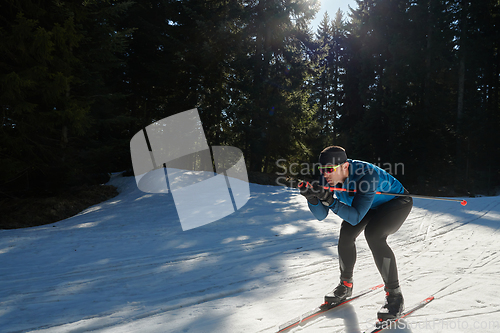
x=328 y=169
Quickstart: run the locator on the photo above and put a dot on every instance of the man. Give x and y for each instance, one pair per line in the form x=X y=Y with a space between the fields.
x=361 y=209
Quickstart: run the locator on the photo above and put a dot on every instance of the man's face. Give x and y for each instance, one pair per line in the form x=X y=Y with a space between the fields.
x=335 y=174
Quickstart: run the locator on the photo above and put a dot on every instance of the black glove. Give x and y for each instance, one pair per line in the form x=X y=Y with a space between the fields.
x=324 y=195
x=307 y=190
x=315 y=192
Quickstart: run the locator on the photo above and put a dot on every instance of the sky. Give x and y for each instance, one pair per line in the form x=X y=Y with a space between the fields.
x=331 y=6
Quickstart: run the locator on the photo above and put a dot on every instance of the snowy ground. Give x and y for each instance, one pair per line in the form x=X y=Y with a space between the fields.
x=126 y=266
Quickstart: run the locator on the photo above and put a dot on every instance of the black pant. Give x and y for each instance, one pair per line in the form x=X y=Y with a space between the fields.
x=378 y=223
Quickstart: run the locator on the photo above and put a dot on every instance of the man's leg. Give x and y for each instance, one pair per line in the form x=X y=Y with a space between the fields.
x=347 y=246
x=386 y=220
x=347 y=259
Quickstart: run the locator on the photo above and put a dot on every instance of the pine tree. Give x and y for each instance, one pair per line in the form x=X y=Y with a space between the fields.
x=47 y=78
x=39 y=111
x=323 y=84
x=417 y=72
x=477 y=80
x=273 y=110
x=328 y=88
x=385 y=48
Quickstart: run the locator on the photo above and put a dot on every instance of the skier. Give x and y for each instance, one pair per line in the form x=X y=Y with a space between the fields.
x=378 y=215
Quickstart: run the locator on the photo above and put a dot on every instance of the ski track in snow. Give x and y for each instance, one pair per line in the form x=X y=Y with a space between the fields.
x=126 y=266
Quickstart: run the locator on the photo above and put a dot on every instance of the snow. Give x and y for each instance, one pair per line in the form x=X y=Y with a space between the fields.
x=125 y=265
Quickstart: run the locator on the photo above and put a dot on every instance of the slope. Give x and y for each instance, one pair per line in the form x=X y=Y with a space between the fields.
x=126 y=266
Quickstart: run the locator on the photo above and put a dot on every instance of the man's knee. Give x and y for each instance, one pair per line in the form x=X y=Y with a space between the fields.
x=345 y=241
x=374 y=237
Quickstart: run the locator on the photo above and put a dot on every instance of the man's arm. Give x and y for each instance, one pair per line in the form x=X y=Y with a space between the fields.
x=317 y=197
x=362 y=202
x=319 y=210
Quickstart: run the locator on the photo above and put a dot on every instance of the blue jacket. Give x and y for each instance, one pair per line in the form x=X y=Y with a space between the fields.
x=366 y=179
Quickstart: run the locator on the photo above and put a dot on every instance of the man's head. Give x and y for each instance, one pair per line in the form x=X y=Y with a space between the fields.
x=334 y=165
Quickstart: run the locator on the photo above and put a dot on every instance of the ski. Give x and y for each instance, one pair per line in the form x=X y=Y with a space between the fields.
x=382 y=325
x=322 y=309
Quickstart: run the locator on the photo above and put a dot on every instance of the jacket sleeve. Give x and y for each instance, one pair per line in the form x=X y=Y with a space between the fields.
x=362 y=202
x=319 y=210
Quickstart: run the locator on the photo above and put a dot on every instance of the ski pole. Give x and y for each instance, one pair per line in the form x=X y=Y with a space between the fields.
x=463 y=202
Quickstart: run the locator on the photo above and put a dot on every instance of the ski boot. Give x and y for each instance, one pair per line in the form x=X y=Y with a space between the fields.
x=393 y=307
x=340 y=293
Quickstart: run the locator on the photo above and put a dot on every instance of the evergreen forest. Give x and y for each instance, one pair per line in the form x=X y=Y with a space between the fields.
x=406 y=82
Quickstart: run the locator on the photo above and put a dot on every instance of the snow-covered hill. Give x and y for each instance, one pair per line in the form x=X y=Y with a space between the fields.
x=126 y=266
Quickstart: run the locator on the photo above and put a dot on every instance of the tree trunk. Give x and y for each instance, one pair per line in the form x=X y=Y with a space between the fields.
x=461 y=176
